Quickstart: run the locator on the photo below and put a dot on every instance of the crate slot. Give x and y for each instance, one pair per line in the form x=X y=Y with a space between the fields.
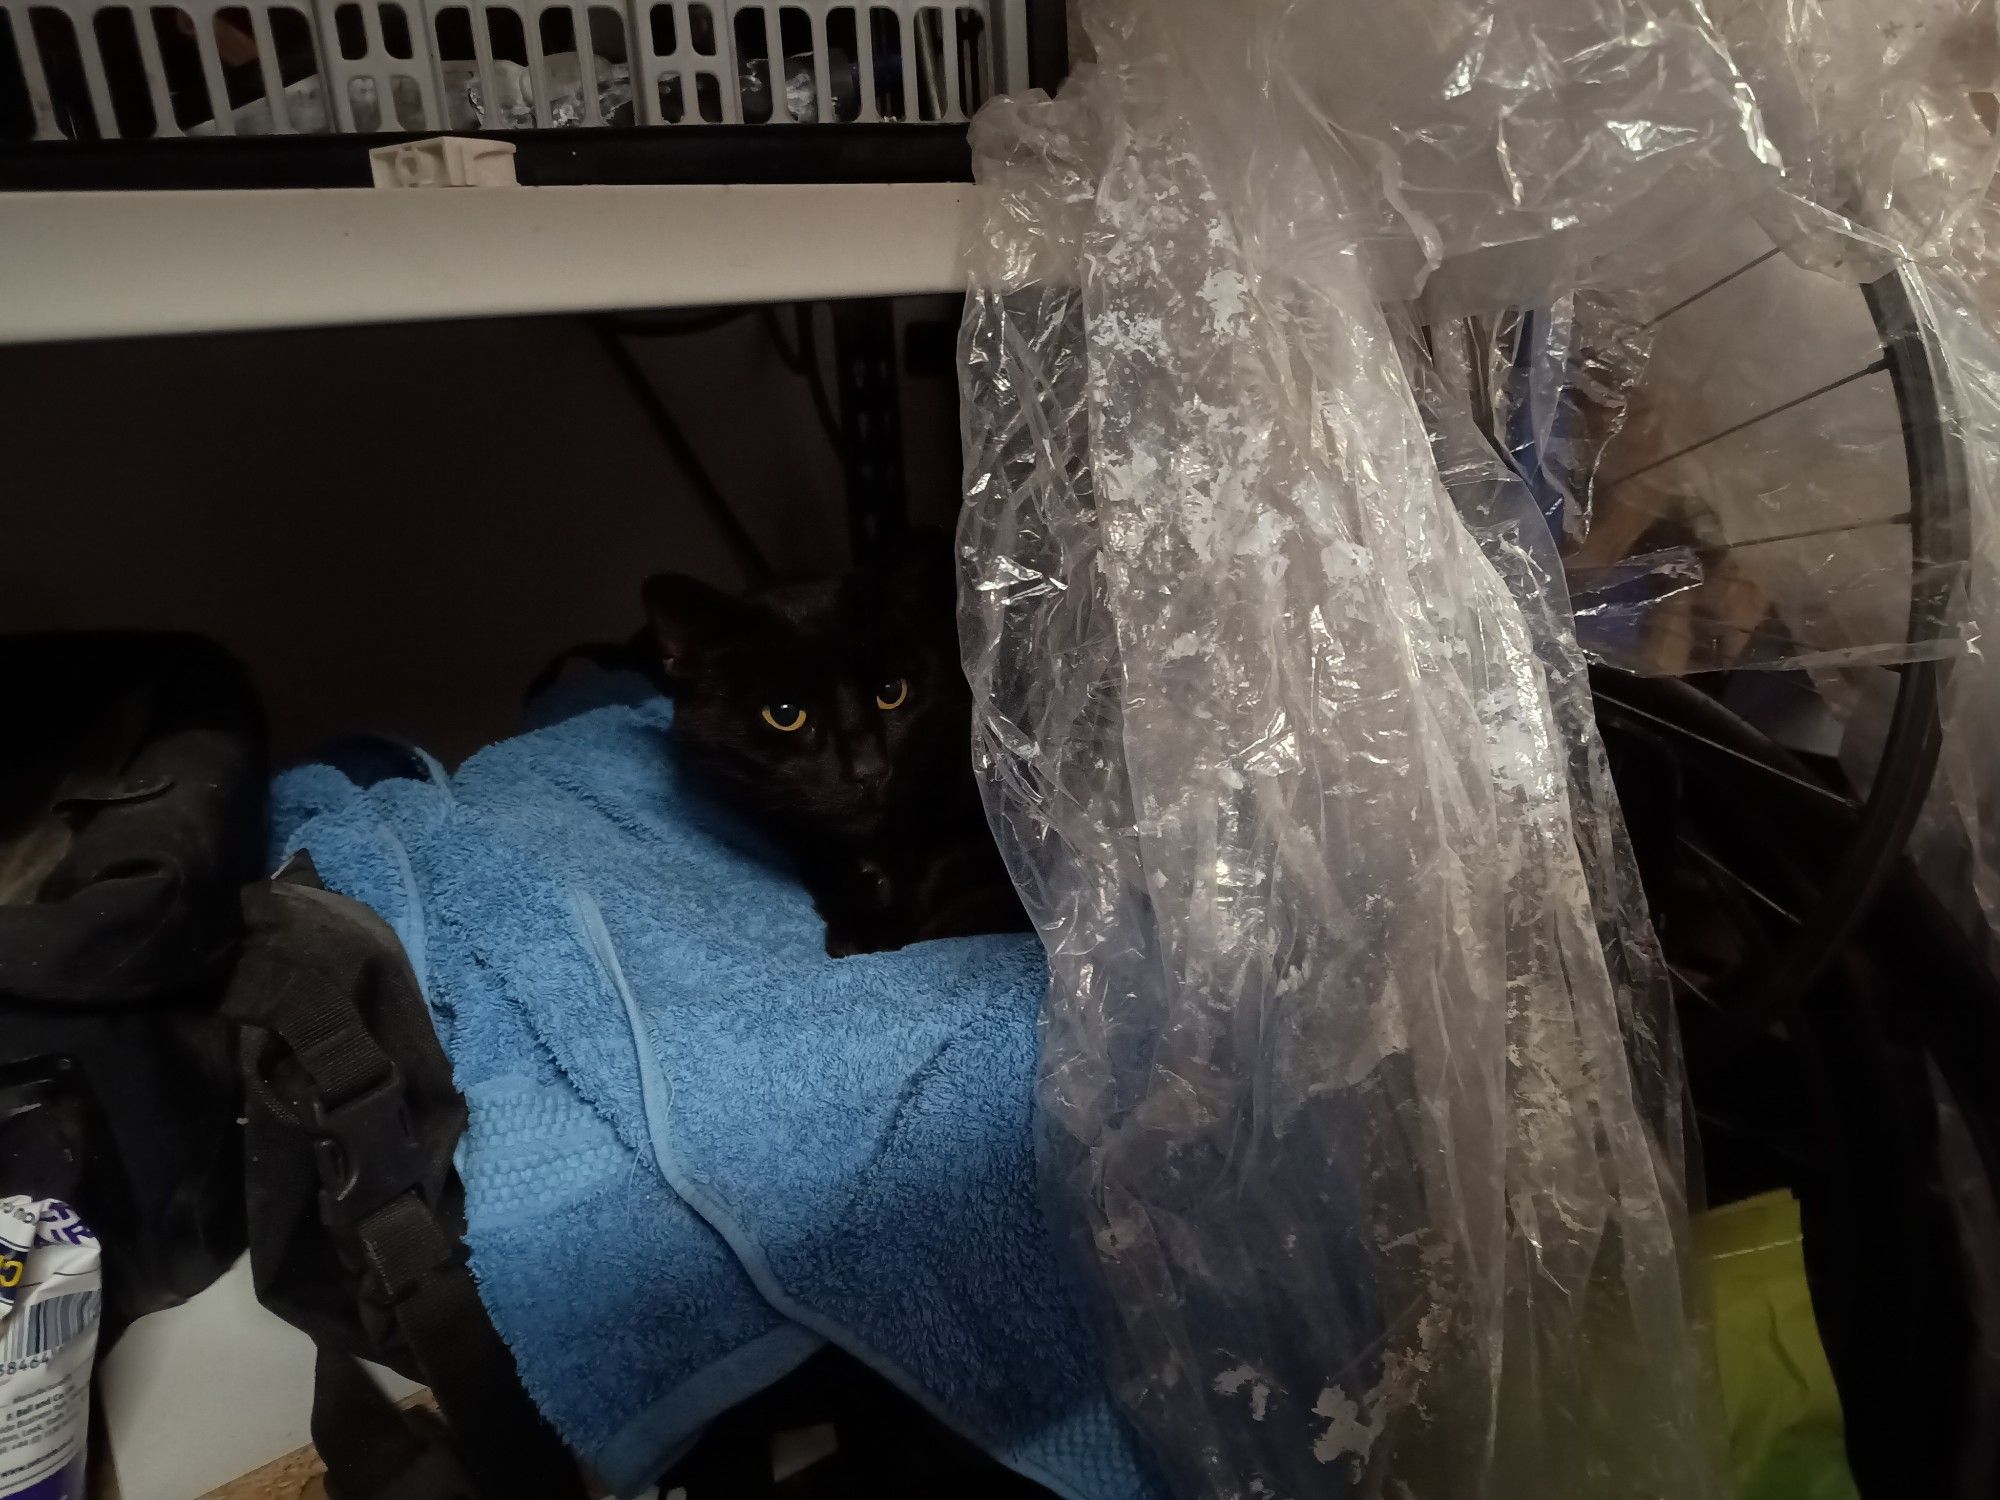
x=83 y=70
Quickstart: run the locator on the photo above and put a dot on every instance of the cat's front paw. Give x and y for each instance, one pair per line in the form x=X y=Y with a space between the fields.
x=844 y=941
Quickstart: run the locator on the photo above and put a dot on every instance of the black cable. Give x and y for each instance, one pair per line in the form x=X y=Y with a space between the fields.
x=794 y=362
x=804 y=363
x=815 y=381
x=707 y=493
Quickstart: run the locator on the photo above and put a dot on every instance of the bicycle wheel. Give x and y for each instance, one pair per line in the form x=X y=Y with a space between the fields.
x=1778 y=530
x=1785 y=518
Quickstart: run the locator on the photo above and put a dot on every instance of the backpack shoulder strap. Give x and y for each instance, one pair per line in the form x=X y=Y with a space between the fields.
x=351 y=1121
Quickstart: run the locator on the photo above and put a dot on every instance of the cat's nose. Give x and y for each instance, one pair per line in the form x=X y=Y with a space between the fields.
x=867 y=764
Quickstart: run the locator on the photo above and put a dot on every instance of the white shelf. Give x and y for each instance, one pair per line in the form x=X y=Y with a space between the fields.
x=99 y=265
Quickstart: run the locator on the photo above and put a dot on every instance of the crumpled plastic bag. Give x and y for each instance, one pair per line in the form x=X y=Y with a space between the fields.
x=1355 y=1090
x=1360 y=1094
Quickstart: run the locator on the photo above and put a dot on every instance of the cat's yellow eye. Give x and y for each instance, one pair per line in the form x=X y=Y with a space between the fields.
x=786 y=718
x=893 y=694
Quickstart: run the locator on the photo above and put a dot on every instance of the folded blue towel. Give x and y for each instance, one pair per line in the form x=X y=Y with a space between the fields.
x=697 y=1145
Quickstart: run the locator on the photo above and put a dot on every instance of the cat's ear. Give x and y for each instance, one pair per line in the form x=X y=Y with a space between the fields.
x=688 y=619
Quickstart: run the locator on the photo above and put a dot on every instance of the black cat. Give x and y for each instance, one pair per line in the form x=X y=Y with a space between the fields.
x=835 y=717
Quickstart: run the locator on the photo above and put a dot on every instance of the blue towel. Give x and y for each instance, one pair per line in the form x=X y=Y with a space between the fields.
x=697 y=1145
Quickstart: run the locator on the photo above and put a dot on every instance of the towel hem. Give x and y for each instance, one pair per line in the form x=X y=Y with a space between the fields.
x=653 y=1092
x=639 y=1455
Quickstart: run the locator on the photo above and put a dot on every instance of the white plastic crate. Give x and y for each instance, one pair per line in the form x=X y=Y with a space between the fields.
x=114 y=69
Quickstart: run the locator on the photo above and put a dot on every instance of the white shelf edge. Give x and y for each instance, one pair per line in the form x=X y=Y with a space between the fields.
x=103 y=265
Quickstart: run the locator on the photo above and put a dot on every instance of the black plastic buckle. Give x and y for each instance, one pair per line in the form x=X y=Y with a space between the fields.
x=367 y=1152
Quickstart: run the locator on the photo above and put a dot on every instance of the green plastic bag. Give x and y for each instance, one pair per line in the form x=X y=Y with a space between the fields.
x=1785 y=1432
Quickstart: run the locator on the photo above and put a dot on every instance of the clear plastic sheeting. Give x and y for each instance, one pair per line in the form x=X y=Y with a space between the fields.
x=1357 y=1090
x=1476 y=150
x=1728 y=423
x=1337 y=377
x=1552 y=387
x=1873 y=110
x=1753 y=507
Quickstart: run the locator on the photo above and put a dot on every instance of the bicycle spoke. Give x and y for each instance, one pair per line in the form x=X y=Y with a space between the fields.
x=1763 y=416
x=1901 y=518
x=1824 y=793
x=1722 y=281
x=1682 y=978
x=1740 y=881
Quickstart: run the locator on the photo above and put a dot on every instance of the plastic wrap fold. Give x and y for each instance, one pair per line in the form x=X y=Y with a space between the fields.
x=1307 y=425
x=1356 y=1087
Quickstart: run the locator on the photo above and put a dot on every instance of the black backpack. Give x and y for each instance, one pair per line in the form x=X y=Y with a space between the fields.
x=132 y=795
x=201 y=1059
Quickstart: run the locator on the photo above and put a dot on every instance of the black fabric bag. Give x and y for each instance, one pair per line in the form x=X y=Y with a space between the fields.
x=195 y=1093
x=356 y=1215
x=132 y=796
